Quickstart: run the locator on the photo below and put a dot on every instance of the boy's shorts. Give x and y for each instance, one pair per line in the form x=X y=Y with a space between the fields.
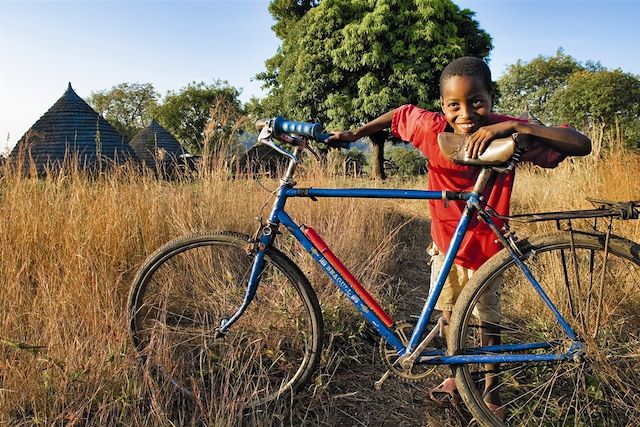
x=488 y=306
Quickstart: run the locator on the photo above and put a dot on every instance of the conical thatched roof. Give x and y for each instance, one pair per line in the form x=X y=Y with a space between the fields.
x=155 y=146
x=262 y=159
x=526 y=115
x=71 y=128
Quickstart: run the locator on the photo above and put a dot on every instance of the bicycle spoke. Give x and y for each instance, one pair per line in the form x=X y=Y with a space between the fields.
x=599 y=386
x=181 y=296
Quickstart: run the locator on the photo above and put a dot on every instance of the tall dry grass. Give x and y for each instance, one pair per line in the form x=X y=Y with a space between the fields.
x=70 y=245
x=612 y=177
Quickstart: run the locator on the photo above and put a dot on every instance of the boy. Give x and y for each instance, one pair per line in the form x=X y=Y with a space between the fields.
x=466 y=101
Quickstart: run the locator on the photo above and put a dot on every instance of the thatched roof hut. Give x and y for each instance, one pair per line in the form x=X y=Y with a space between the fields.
x=262 y=159
x=158 y=150
x=71 y=130
x=526 y=115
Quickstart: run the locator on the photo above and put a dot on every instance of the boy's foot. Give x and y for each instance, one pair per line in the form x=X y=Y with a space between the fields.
x=446 y=393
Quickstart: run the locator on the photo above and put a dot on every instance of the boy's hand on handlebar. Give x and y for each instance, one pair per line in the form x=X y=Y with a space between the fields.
x=341 y=136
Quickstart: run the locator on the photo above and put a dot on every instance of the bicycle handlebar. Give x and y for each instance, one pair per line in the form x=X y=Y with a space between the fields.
x=310 y=130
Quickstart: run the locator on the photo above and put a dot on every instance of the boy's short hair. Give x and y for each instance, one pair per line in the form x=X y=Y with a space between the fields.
x=467 y=66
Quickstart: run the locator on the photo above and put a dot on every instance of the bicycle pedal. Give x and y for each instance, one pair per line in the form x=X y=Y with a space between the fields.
x=378 y=384
x=442 y=322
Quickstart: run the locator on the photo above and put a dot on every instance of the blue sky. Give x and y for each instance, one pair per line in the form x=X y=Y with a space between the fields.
x=98 y=44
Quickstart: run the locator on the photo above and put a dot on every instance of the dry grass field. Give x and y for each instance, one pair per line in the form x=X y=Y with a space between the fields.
x=70 y=246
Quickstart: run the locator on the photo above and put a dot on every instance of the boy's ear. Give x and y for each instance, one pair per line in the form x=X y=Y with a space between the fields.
x=441 y=103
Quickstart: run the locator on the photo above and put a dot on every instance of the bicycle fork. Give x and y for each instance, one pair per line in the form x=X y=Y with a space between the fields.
x=259 y=249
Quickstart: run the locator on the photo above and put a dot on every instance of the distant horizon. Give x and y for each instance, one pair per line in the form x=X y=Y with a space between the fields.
x=96 y=45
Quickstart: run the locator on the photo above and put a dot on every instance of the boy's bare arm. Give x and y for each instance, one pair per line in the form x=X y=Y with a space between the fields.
x=562 y=139
x=375 y=125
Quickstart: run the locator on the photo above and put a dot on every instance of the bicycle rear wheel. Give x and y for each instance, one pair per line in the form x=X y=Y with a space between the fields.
x=597 y=292
x=180 y=296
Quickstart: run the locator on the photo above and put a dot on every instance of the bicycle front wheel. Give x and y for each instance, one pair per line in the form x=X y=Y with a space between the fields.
x=178 y=300
x=597 y=290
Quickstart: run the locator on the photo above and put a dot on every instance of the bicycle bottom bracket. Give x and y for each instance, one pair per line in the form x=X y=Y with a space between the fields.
x=390 y=356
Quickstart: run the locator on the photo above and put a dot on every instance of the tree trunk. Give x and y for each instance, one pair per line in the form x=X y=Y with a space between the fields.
x=377 y=155
x=597 y=138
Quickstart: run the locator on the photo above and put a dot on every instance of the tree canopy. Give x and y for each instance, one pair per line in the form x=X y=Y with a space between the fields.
x=186 y=113
x=408 y=160
x=128 y=106
x=532 y=84
x=345 y=62
x=602 y=103
x=605 y=103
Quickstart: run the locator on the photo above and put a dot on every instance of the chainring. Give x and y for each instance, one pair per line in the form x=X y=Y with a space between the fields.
x=389 y=355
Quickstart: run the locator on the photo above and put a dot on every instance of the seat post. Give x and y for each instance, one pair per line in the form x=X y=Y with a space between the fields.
x=481 y=181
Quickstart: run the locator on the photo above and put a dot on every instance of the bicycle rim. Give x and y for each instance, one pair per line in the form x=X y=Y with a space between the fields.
x=180 y=297
x=599 y=299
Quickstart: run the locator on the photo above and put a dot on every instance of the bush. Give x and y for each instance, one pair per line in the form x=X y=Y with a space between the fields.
x=409 y=162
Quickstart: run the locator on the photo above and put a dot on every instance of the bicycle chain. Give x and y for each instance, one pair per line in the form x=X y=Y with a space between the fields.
x=389 y=357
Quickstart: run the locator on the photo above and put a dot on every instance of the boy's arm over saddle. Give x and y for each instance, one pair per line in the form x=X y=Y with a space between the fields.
x=497 y=153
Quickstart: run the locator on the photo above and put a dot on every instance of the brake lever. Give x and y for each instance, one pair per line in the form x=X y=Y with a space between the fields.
x=266 y=137
x=265 y=132
x=311 y=150
x=300 y=142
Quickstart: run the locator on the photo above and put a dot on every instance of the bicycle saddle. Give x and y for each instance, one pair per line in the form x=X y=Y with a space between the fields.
x=497 y=153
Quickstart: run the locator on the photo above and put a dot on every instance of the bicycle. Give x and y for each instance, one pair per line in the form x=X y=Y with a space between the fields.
x=226 y=311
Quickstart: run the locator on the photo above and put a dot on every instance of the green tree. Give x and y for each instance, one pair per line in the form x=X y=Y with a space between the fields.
x=344 y=62
x=531 y=84
x=128 y=106
x=187 y=112
x=410 y=162
x=286 y=12
x=559 y=89
x=605 y=104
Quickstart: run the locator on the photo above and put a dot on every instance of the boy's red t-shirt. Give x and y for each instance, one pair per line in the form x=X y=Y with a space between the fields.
x=421 y=128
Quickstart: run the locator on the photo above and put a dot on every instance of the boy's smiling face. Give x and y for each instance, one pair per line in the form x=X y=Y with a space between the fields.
x=466 y=103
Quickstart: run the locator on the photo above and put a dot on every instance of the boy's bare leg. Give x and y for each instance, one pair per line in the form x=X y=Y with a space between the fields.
x=445 y=393
x=490 y=335
x=447 y=317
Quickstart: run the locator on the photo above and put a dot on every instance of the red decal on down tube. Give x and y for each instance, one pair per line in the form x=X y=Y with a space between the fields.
x=340 y=268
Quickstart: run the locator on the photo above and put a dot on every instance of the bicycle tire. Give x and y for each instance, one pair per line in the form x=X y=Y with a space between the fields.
x=178 y=298
x=602 y=387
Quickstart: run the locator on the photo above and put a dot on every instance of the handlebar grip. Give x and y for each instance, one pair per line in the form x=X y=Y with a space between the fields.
x=311 y=130
x=322 y=137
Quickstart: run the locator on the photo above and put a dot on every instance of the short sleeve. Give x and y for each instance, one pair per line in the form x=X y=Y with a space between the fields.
x=413 y=124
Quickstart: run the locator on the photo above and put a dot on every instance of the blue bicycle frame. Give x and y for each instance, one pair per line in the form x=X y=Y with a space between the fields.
x=369 y=308
x=488 y=354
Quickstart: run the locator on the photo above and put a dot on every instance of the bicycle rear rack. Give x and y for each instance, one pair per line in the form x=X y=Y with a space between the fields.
x=604 y=209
